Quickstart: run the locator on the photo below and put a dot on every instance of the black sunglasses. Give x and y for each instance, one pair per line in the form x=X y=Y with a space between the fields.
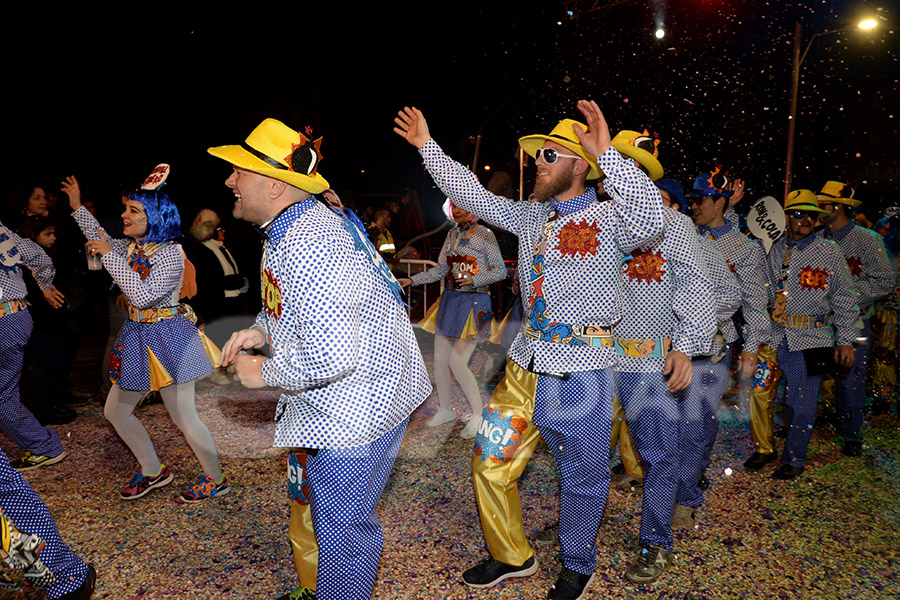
x=802 y=214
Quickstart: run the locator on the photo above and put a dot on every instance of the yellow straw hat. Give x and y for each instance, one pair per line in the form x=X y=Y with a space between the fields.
x=275 y=150
x=802 y=200
x=838 y=193
x=564 y=135
x=642 y=148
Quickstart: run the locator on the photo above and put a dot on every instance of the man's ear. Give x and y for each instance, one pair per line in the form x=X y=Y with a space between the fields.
x=582 y=167
x=276 y=188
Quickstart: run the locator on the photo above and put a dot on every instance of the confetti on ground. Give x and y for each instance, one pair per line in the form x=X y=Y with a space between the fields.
x=832 y=533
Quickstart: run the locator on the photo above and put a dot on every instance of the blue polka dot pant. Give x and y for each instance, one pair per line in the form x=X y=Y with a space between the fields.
x=345 y=486
x=850 y=391
x=29 y=513
x=652 y=416
x=712 y=379
x=575 y=417
x=801 y=396
x=17 y=421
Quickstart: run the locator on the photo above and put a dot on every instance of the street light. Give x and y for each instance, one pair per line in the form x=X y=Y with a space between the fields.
x=865 y=25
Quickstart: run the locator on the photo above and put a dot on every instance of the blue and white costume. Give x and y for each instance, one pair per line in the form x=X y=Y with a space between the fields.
x=158 y=345
x=466 y=313
x=814 y=306
x=17 y=421
x=874 y=277
x=559 y=378
x=346 y=359
x=668 y=307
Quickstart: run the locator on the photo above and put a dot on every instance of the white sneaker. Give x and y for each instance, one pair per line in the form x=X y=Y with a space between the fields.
x=470 y=430
x=440 y=417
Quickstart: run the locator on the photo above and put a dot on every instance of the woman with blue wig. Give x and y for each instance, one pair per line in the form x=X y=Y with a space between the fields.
x=159 y=348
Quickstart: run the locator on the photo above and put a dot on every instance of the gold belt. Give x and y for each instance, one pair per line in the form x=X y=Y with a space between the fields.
x=12 y=306
x=154 y=315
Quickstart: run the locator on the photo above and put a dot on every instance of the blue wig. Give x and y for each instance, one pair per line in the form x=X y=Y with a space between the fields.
x=163 y=220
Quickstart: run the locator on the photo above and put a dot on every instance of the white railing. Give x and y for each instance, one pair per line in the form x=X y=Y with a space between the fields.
x=409 y=262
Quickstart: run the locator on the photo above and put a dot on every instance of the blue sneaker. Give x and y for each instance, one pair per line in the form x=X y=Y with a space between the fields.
x=205 y=488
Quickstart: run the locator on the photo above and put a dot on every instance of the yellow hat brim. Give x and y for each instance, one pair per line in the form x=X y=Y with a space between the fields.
x=531 y=143
x=240 y=157
x=651 y=163
x=833 y=200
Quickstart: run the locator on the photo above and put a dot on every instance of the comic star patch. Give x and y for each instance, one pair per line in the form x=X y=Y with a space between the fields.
x=271 y=291
x=298 y=482
x=855 y=266
x=813 y=278
x=645 y=266
x=578 y=239
x=499 y=437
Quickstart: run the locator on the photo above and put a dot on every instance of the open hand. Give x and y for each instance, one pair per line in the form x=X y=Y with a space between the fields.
x=595 y=139
x=412 y=127
x=71 y=188
x=54 y=297
x=736 y=186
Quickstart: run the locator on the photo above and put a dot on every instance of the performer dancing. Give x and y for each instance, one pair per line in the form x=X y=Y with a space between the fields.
x=40 y=444
x=472 y=258
x=158 y=348
x=559 y=379
x=343 y=353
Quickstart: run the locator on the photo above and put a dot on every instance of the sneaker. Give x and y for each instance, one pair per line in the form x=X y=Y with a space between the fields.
x=570 y=585
x=650 y=563
x=140 y=484
x=758 y=460
x=440 y=417
x=547 y=536
x=471 y=429
x=300 y=593
x=684 y=517
x=490 y=572
x=786 y=472
x=87 y=588
x=205 y=488
x=31 y=461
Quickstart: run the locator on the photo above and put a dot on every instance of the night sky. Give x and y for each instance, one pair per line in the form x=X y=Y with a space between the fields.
x=109 y=93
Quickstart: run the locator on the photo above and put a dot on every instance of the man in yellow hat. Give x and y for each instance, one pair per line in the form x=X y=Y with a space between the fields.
x=559 y=382
x=343 y=353
x=814 y=322
x=874 y=278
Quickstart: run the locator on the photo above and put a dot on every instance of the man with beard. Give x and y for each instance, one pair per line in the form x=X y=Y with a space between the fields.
x=559 y=382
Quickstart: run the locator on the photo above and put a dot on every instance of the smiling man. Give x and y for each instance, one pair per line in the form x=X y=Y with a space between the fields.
x=559 y=382
x=343 y=353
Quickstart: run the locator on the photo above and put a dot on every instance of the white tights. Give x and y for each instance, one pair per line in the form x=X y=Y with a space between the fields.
x=452 y=355
x=179 y=401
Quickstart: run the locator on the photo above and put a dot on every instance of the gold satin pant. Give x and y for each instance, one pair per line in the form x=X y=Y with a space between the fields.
x=511 y=437
x=304 y=545
x=620 y=433
x=762 y=399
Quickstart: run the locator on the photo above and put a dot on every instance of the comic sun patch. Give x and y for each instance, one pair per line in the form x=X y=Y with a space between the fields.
x=578 y=238
x=271 y=291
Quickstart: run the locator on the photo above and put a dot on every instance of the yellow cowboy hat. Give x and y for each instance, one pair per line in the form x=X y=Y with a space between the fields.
x=802 y=200
x=642 y=148
x=275 y=150
x=837 y=192
x=564 y=135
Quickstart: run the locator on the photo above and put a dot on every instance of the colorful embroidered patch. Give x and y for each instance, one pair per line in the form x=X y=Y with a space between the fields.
x=298 y=482
x=813 y=278
x=499 y=437
x=855 y=266
x=463 y=264
x=645 y=266
x=765 y=375
x=115 y=361
x=578 y=238
x=271 y=291
x=10 y=258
